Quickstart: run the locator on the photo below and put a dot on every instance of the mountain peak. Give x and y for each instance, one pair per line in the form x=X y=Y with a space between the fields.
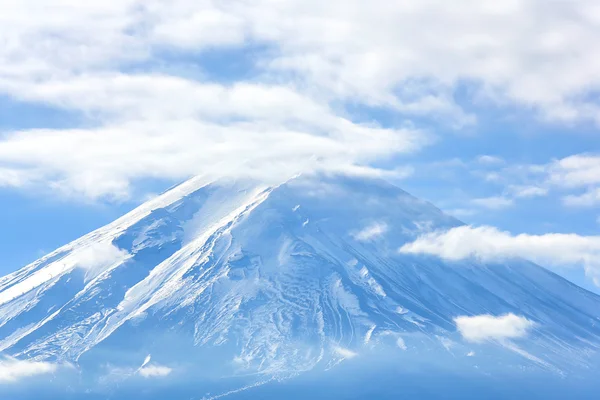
x=276 y=280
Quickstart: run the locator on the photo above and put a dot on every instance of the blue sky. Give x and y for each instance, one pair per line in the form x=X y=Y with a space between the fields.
x=490 y=113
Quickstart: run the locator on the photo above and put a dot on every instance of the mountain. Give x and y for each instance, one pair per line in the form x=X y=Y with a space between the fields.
x=230 y=285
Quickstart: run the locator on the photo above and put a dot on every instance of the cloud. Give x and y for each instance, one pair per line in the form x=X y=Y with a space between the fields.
x=99 y=255
x=572 y=172
x=371 y=232
x=538 y=180
x=148 y=370
x=528 y=191
x=154 y=371
x=490 y=244
x=489 y=160
x=486 y=327
x=494 y=202
x=144 y=115
x=256 y=130
x=477 y=47
x=374 y=67
x=588 y=199
x=14 y=177
x=579 y=170
x=12 y=370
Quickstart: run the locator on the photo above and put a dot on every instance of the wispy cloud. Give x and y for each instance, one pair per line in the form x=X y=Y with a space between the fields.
x=489 y=244
x=370 y=232
x=588 y=199
x=580 y=170
x=520 y=191
x=490 y=160
x=493 y=202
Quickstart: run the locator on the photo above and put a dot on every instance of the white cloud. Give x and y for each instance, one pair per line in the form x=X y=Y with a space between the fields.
x=563 y=175
x=490 y=244
x=14 y=177
x=476 y=46
x=588 y=199
x=371 y=232
x=482 y=328
x=572 y=172
x=150 y=122
x=578 y=170
x=263 y=131
x=148 y=370
x=493 y=203
x=366 y=52
x=99 y=255
x=12 y=370
x=154 y=370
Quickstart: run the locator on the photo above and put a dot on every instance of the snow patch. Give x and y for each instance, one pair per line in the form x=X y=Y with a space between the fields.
x=146 y=361
x=344 y=353
x=369 y=334
x=446 y=343
x=401 y=310
x=400 y=342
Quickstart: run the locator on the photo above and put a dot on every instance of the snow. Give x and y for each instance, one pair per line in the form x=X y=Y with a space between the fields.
x=401 y=344
x=86 y=244
x=344 y=353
